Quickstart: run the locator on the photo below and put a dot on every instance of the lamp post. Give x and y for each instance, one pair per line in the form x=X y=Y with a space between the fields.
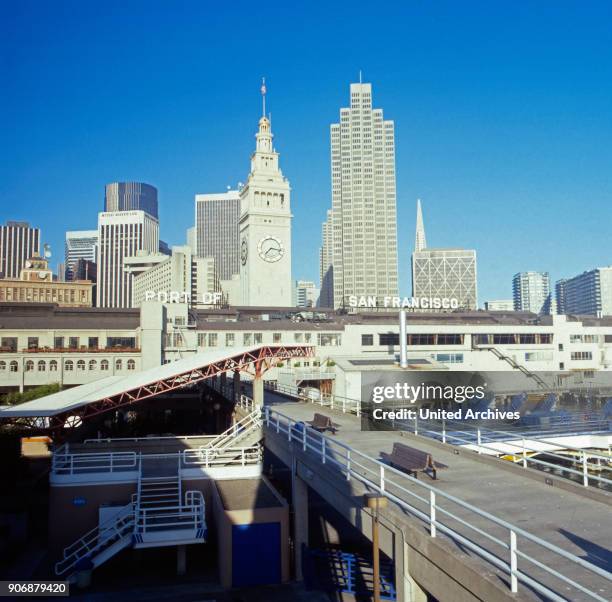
x=375 y=501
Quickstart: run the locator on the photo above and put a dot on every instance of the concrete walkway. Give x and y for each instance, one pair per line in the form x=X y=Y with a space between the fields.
x=573 y=522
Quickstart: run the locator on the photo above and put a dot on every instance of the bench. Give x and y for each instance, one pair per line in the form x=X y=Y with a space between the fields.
x=322 y=423
x=412 y=460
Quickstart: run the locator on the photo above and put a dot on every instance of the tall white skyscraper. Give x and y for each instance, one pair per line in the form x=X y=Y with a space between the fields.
x=216 y=230
x=265 y=227
x=531 y=292
x=306 y=293
x=122 y=234
x=18 y=242
x=589 y=293
x=326 y=268
x=80 y=244
x=363 y=216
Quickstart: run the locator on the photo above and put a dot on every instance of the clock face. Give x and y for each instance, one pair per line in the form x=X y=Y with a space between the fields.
x=270 y=249
x=244 y=251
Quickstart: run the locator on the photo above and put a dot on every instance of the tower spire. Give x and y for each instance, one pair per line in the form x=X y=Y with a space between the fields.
x=420 y=242
x=263 y=96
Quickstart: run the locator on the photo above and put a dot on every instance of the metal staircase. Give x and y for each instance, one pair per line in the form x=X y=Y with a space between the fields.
x=244 y=433
x=510 y=360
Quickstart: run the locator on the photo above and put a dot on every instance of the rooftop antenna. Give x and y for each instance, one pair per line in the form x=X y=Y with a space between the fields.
x=263 y=96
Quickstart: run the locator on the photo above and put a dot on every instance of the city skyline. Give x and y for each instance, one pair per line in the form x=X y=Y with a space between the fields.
x=534 y=167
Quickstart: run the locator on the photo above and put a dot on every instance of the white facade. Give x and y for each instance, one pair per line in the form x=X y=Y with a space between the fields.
x=306 y=293
x=122 y=234
x=499 y=305
x=326 y=268
x=80 y=244
x=363 y=215
x=217 y=233
x=265 y=228
x=531 y=292
x=18 y=242
x=181 y=276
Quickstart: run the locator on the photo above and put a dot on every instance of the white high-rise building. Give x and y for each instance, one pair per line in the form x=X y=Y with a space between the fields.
x=531 y=292
x=589 y=293
x=122 y=234
x=306 y=293
x=80 y=244
x=363 y=238
x=445 y=274
x=217 y=233
x=265 y=227
x=18 y=242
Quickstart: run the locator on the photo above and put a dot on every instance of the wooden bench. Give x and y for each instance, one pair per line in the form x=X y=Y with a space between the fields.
x=322 y=423
x=412 y=460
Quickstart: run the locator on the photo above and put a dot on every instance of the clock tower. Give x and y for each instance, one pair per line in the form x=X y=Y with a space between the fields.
x=265 y=226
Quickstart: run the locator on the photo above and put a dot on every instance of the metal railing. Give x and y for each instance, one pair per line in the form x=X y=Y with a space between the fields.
x=65 y=463
x=228 y=456
x=189 y=515
x=148 y=438
x=441 y=512
x=335 y=402
x=237 y=430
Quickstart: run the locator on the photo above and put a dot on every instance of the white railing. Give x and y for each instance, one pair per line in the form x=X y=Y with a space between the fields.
x=484 y=440
x=244 y=426
x=189 y=515
x=70 y=463
x=147 y=438
x=98 y=539
x=497 y=541
x=335 y=402
x=228 y=456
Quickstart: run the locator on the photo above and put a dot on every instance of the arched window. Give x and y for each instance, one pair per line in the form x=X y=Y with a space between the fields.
x=42 y=365
x=81 y=365
x=29 y=366
x=118 y=364
x=93 y=365
x=104 y=365
x=2 y=366
x=53 y=366
x=14 y=366
x=131 y=365
x=68 y=366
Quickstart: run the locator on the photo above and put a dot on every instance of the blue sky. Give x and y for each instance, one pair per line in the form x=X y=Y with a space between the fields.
x=503 y=116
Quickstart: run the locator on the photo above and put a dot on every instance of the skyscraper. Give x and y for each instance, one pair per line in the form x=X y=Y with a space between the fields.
x=363 y=215
x=128 y=196
x=531 y=292
x=217 y=233
x=589 y=293
x=122 y=234
x=326 y=268
x=443 y=273
x=265 y=226
x=80 y=244
x=306 y=293
x=18 y=242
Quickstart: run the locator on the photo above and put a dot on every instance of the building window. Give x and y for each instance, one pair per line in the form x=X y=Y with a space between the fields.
x=124 y=342
x=42 y=366
x=73 y=342
x=420 y=339
x=581 y=355
x=504 y=339
x=131 y=365
x=32 y=342
x=229 y=339
x=538 y=356
x=527 y=339
x=118 y=364
x=14 y=366
x=58 y=342
x=92 y=343
x=53 y=366
x=201 y=339
x=29 y=366
x=307 y=337
x=212 y=339
x=450 y=358
x=257 y=338
x=276 y=337
x=68 y=366
x=328 y=339
x=388 y=338
x=104 y=365
x=449 y=339
x=81 y=365
x=93 y=365
x=2 y=366
x=247 y=338
x=8 y=344
x=367 y=340
x=298 y=337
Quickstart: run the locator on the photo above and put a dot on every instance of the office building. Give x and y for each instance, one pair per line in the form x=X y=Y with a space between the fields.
x=589 y=293
x=531 y=292
x=130 y=196
x=164 y=248
x=80 y=244
x=217 y=233
x=499 y=305
x=306 y=293
x=361 y=252
x=36 y=285
x=265 y=227
x=445 y=274
x=18 y=242
x=326 y=268
x=122 y=234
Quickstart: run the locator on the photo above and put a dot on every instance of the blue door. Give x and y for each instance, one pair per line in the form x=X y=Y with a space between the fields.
x=256 y=558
